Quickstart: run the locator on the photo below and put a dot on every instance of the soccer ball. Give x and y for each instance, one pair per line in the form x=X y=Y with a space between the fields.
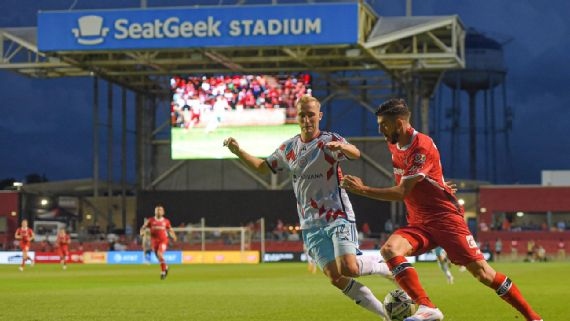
x=398 y=305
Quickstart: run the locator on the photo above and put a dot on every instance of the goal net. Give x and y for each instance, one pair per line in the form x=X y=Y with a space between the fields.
x=204 y=238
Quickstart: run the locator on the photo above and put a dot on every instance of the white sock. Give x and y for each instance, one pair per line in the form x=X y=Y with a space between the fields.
x=372 y=264
x=364 y=297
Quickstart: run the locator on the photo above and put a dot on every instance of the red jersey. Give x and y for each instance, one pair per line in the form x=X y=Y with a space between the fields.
x=26 y=234
x=62 y=240
x=159 y=228
x=431 y=198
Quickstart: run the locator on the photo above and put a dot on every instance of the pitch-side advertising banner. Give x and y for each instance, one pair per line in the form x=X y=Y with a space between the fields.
x=222 y=26
x=95 y=257
x=137 y=257
x=220 y=257
x=14 y=257
x=53 y=257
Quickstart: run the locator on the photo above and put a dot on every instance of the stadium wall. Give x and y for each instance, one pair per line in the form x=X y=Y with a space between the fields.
x=236 y=208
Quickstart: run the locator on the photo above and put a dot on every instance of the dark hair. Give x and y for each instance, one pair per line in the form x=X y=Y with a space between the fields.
x=393 y=107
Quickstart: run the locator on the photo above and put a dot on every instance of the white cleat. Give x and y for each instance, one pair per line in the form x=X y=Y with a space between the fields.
x=65 y=267
x=21 y=269
x=450 y=279
x=425 y=313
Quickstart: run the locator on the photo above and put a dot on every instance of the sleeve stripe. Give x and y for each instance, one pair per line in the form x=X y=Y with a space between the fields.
x=271 y=168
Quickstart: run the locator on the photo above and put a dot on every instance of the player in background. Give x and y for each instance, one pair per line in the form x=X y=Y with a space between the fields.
x=443 y=263
x=62 y=242
x=25 y=235
x=325 y=213
x=146 y=244
x=435 y=217
x=160 y=228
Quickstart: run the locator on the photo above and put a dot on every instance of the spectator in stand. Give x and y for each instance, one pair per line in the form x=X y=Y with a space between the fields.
x=530 y=255
x=366 y=229
x=279 y=230
x=540 y=253
x=561 y=250
x=25 y=235
x=498 y=249
x=388 y=226
x=506 y=224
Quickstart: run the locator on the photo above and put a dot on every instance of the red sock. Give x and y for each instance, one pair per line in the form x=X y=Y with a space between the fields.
x=409 y=281
x=509 y=292
x=162 y=266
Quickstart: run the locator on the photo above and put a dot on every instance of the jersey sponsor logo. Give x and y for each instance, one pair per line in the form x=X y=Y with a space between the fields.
x=308 y=176
x=399 y=171
x=414 y=170
x=419 y=158
x=471 y=242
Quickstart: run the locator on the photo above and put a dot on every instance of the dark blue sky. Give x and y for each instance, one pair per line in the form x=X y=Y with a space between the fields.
x=46 y=125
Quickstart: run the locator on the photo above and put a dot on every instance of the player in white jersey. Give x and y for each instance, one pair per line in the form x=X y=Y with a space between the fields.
x=325 y=213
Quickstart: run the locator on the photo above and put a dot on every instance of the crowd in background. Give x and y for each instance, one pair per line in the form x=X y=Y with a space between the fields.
x=193 y=96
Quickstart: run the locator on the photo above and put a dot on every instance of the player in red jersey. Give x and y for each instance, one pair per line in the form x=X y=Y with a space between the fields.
x=435 y=218
x=25 y=235
x=63 y=246
x=160 y=228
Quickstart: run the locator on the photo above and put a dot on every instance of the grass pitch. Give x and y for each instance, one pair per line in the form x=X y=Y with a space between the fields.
x=272 y=291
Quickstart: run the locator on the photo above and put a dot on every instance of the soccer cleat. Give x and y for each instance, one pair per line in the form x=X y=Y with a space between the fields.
x=426 y=313
x=164 y=274
x=65 y=267
x=21 y=269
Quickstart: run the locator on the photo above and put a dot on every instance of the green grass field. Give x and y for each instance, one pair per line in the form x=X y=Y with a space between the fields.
x=273 y=291
x=259 y=141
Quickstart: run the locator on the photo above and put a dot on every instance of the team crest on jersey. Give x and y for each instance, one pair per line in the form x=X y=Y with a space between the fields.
x=419 y=158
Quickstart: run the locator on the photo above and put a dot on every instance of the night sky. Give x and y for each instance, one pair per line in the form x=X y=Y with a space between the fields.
x=46 y=125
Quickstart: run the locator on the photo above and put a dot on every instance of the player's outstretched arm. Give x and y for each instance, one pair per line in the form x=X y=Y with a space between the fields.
x=349 y=150
x=255 y=163
x=355 y=185
x=33 y=236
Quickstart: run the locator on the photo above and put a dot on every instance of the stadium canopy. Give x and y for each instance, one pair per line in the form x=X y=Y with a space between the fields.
x=352 y=51
x=425 y=46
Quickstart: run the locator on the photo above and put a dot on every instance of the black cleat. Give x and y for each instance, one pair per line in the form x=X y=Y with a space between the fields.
x=164 y=274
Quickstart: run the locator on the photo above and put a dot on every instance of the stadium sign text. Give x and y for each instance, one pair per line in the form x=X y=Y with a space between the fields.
x=198 y=27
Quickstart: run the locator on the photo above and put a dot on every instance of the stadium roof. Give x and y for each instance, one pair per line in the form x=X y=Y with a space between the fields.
x=396 y=45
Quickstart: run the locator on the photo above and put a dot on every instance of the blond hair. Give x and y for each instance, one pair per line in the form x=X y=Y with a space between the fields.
x=306 y=100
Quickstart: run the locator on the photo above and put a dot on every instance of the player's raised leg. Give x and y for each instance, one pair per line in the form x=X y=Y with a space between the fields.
x=503 y=286
x=373 y=265
x=334 y=249
x=394 y=251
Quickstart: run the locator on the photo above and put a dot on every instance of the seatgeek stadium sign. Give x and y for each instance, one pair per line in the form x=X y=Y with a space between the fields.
x=223 y=26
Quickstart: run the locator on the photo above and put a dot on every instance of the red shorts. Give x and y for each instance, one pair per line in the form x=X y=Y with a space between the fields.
x=63 y=250
x=159 y=245
x=25 y=246
x=451 y=233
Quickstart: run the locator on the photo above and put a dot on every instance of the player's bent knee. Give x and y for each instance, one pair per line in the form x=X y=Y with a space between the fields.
x=350 y=270
x=388 y=251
